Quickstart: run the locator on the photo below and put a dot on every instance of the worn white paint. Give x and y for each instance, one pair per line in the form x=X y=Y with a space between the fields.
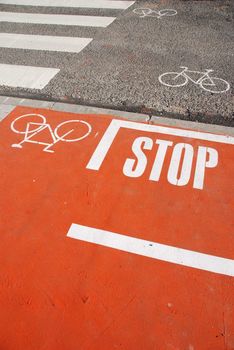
x=147 y=12
x=103 y=4
x=43 y=42
x=153 y=250
x=26 y=76
x=115 y=125
x=68 y=20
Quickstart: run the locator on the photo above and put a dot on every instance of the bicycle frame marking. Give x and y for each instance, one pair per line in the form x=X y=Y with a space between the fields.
x=205 y=75
x=42 y=126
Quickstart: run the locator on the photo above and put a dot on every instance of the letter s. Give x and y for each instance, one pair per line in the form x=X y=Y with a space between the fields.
x=136 y=167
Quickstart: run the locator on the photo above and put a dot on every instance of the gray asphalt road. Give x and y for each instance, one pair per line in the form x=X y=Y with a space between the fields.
x=121 y=67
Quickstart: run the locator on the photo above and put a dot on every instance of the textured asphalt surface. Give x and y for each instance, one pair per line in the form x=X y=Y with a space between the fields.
x=121 y=66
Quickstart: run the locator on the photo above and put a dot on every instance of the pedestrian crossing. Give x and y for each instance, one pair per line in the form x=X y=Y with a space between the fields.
x=37 y=77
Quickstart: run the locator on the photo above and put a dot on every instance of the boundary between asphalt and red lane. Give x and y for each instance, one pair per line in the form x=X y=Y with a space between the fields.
x=42 y=99
x=8 y=103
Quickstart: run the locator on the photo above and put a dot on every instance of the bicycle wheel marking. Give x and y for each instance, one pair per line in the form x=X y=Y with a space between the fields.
x=205 y=82
x=20 y=118
x=31 y=130
x=88 y=126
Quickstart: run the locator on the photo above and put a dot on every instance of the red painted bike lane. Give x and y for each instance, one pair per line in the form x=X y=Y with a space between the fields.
x=114 y=234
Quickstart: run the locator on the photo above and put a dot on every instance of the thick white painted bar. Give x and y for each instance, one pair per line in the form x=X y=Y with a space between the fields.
x=43 y=42
x=153 y=250
x=102 y=4
x=36 y=18
x=26 y=76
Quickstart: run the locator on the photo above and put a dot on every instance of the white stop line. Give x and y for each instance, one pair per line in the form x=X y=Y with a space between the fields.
x=153 y=250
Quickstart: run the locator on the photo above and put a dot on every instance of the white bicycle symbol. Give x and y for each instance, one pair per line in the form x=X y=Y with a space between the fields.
x=146 y=12
x=31 y=125
x=207 y=83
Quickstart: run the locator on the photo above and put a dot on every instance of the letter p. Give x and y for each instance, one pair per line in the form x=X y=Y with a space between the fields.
x=206 y=158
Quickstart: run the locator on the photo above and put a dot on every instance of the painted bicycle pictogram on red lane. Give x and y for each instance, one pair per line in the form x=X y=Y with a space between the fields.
x=32 y=125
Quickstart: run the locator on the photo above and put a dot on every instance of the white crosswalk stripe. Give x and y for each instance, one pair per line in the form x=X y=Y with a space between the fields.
x=33 y=77
x=26 y=76
x=102 y=4
x=43 y=42
x=67 y=20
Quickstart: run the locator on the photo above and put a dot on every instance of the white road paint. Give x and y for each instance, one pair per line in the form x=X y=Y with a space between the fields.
x=35 y=18
x=180 y=166
x=39 y=124
x=115 y=125
x=26 y=76
x=206 y=82
x=43 y=42
x=153 y=250
x=147 y=12
x=105 y=4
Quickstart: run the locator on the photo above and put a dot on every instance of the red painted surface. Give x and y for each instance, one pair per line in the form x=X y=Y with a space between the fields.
x=57 y=293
